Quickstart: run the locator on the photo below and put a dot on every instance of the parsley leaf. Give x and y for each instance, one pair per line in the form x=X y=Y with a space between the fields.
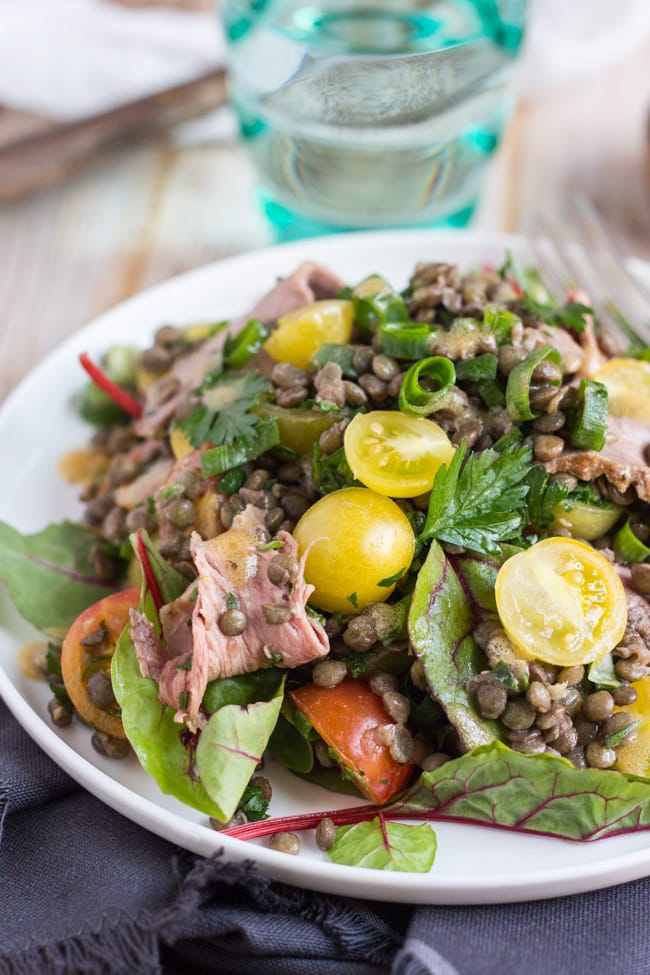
x=223 y=417
x=543 y=495
x=481 y=502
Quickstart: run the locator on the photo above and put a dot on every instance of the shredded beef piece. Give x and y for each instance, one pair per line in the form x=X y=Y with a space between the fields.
x=308 y=283
x=621 y=461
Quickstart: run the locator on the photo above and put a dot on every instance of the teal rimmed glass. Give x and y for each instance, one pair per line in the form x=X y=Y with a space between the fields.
x=366 y=114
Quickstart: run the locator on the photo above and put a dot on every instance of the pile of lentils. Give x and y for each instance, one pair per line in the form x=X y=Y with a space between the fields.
x=544 y=708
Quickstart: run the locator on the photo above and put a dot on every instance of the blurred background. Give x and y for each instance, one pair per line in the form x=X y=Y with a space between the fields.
x=120 y=163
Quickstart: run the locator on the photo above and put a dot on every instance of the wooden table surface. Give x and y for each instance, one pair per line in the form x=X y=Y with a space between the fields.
x=145 y=214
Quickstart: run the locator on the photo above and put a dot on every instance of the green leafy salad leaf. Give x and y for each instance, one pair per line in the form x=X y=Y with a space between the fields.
x=150 y=727
x=49 y=575
x=441 y=621
x=479 y=501
x=496 y=786
x=383 y=845
x=231 y=746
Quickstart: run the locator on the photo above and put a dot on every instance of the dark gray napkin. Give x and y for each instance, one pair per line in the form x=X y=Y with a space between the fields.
x=84 y=891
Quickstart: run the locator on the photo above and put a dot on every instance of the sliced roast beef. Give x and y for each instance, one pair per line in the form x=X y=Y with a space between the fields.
x=156 y=660
x=309 y=282
x=622 y=460
x=233 y=573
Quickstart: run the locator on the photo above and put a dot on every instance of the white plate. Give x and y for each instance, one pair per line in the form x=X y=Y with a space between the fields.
x=37 y=425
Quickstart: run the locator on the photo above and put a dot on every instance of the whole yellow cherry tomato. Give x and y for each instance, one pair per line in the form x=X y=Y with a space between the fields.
x=395 y=454
x=358 y=543
x=299 y=336
x=562 y=602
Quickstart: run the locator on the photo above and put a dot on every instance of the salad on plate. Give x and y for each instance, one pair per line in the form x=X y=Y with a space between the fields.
x=395 y=540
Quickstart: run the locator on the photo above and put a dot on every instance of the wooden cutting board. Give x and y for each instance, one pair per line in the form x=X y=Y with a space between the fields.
x=36 y=152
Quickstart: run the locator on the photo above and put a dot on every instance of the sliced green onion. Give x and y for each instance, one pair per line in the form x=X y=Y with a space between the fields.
x=414 y=398
x=500 y=322
x=628 y=546
x=409 y=340
x=480 y=367
x=519 y=380
x=588 y=422
x=342 y=355
x=239 y=351
x=219 y=459
x=492 y=394
x=373 y=310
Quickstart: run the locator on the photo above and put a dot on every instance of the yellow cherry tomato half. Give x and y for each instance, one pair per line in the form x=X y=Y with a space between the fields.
x=633 y=753
x=358 y=544
x=395 y=454
x=628 y=387
x=562 y=602
x=584 y=520
x=299 y=336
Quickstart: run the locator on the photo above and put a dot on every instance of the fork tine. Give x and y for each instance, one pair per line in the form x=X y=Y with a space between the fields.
x=594 y=223
x=589 y=282
x=551 y=277
x=631 y=308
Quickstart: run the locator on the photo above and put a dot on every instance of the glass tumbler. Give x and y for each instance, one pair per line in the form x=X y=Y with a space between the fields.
x=363 y=114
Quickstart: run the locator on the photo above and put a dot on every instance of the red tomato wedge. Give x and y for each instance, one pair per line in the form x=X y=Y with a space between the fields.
x=80 y=660
x=346 y=717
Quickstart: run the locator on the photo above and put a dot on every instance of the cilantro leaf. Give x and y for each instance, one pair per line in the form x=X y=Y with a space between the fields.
x=479 y=502
x=223 y=418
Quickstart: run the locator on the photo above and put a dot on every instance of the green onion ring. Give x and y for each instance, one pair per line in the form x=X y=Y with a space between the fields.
x=414 y=399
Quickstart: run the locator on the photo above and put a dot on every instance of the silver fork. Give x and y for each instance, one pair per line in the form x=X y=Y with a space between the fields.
x=582 y=255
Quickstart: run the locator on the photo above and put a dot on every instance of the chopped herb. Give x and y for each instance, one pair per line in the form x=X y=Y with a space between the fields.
x=354 y=599
x=315 y=615
x=182 y=700
x=269 y=546
x=357 y=663
x=194 y=595
x=232 y=480
x=186 y=665
x=171 y=491
x=479 y=502
x=505 y=676
x=151 y=506
x=254 y=804
x=275 y=657
x=391 y=580
x=232 y=602
x=326 y=406
x=617 y=737
x=331 y=472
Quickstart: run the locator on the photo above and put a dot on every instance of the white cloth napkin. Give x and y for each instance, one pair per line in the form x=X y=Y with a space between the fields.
x=72 y=58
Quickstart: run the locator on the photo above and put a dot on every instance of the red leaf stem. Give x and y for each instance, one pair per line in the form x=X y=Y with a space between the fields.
x=340 y=817
x=116 y=393
x=149 y=576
